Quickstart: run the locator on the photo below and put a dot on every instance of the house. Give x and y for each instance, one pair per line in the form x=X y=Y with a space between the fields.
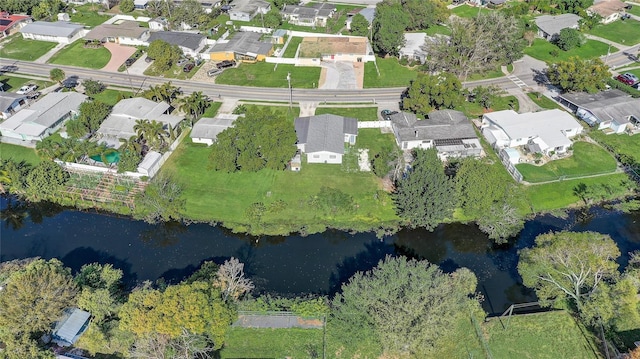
x=613 y=110
x=11 y=103
x=72 y=325
x=278 y=36
x=246 y=10
x=43 y=117
x=190 y=44
x=140 y=4
x=540 y=132
x=123 y=117
x=313 y=15
x=337 y=48
x=60 y=31
x=549 y=26
x=243 y=46
x=449 y=131
x=206 y=130
x=158 y=24
x=412 y=48
x=610 y=10
x=207 y=5
x=125 y=33
x=323 y=137
x=369 y=13
x=11 y=23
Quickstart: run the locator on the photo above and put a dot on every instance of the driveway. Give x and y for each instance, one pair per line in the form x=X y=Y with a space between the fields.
x=338 y=75
x=119 y=54
x=139 y=67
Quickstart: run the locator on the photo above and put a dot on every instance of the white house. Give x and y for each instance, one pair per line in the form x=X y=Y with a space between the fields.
x=449 y=131
x=190 y=44
x=11 y=103
x=158 y=24
x=206 y=130
x=315 y=14
x=612 y=111
x=540 y=132
x=43 y=117
x=549 y=26
x=412 y=48
x=125 y=33
x=610 y=10
x=323 y=137
x=60 y=31
x=245 y=10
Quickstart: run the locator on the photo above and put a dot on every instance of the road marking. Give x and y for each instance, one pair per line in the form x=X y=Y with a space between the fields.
x=517 y=81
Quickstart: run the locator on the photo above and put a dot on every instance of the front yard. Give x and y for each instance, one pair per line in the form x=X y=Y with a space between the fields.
x=392 y=74
x=17 y=48
x=625 y=32
x=13 y=83
x=543 y=50
x=111 y=97
x=262 y=74
x=76 y=54
x=360 y=113
x=174 y=72
x=469 y=11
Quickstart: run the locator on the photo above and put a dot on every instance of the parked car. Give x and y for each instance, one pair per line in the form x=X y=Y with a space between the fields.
x=188 y=67
x=628 y=79
x=225 y=64
x=386 y=113
x=629 y=7
x=625 y=16
x=26 y=89
x=70 y=82
x=128 y=62
x=214 y=72
x=182 y=61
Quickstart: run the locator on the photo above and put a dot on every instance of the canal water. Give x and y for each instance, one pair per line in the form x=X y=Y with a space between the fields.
x=290 y=265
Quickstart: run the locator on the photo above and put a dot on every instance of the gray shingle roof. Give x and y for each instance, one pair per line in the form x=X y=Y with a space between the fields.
x=8 y=98
x=309 y=12
x=69 y=328
x=552 y=24
x=244 y=43
x=325 y=132
x=184 y=39
x=58 y=28
x=607 y=105
x=210 y=127
x=439 y=125
x=127 y=28
x=248 y=6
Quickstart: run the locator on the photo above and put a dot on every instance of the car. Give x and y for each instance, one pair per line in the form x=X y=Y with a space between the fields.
x=148 y=59
x=9 y=68
x=129 y=61
x=214 y=72
x=387 y=113
x=628 y=79
x=182 y=61
x=629 y=7
x=26 y=89
x=188 y=67
x=226 y=63
x=70 y=82
x=625 y=17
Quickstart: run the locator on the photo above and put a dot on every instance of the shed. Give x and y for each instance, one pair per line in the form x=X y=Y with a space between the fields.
x=71 y=326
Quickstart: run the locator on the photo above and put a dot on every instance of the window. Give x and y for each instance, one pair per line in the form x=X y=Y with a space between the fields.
x=316 y=156
x=333 y=157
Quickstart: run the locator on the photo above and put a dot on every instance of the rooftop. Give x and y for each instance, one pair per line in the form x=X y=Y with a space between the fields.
x=552 y=24
x=184 y=39
x=210 y=127
x=58 y=28
x=127 y=28
x=244 y=42
x=439 y=125
x=607 y=105
x=607 y=7
x=7 y=20
x=316 y=9
x=324 y=132
x=248 y=6
x=7 y=98
x=71 y=326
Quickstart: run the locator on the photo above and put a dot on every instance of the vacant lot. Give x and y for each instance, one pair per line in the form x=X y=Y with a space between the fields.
x=392 y=74
x=272 y=343
x=290 y=52
x=263 y=74
x=544 y=50
x=587 y=159
x=18 y=48
x=623 y=32
x=76 y=54
x=19 y=153
x=361 y=113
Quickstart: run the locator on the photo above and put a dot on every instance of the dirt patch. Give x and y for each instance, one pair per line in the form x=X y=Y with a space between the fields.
x=323 y=77
x=318 y=46
x=358 y=68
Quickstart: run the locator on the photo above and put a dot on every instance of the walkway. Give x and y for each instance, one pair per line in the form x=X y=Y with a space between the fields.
x=621 y=47
x=44 y=58
x=276 y=320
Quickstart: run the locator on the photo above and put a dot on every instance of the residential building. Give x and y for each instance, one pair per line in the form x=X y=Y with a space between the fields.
x=337 y=48
x=11 y=23
x=243 y=46
x=125 y=33
x=43 y=117
x=190 y=44
x=206 y=130
x=140 y=4
x=412 y=48
x=123 y=117
x=449 y=131
x=323 y=137
x=11 y=103
x=246 y=10
x=207 y=5
x=539 y=132
x=549 y=26
x=72 y=325
x=315 y=14
x=159 y=24
x=610 y=10
x=612 y=111
x=369 y=13
x=60 y=31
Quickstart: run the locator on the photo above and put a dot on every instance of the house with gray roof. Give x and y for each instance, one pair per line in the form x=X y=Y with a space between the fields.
x=11 y=103
x=315 y=14
x=322 y=138
x=206 y=130
x=43 y=117
x=612 y=111
x=449 y=131
x=413 y=44
x=369 y=13
x=549 y=26
x=60 y=31
x=126 y=32
x=123 y=117
x=244 y=46
x=190 y=44
x=246 y=10
x=72 y=325
x=538 y=132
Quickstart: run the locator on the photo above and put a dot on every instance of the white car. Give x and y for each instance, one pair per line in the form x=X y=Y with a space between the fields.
x=26 y=89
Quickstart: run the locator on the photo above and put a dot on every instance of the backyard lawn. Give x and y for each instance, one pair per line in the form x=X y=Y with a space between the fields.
x=635 y=10
x=17 y=48
x=361 y=113
x=13 y=83
x=272 y=343
x=111 y=97
x=262 y=74
x=438 y=29
x=623 y=144
x=18 y=153
x=587 y=159
x=474 y=110
x=623 y=32
x=290 y=52
x=541 y=50
x=392 y=74
x=88 y=15
x=77 y=55
x=543 y=101
x=468 y=11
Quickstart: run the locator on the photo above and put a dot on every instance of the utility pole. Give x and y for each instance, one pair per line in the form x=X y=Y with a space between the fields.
x=290 y=90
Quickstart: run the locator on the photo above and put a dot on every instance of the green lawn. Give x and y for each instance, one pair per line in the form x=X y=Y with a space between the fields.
x=543 y=101
x=17 y=48
x=635 y=10
x=272 y=343
x=587 y=159
x=623 y=32
x=539 y=336
x=262 y=74
x=635 y=72
x=392 y=74
x=541 y=50
x=19 y=153
x=469 y=11
x=76 y=54
x=438 y=29
x=487 y=75
x=88 y=15
x=473 y=110
x=290 y=52
x=212 y=110
x=623 y=144
x=13 y=83
x=174 y=72
x=361 y=113
x=110 y=97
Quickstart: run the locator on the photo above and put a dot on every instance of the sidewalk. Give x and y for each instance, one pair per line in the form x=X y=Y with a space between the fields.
x=620 y=47
x=44 y=58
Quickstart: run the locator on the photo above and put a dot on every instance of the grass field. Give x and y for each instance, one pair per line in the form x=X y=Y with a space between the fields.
x=272 y=343
x=622 y=144
x=587 y=159
x=543 y=101
x=19 y=153
x=361 y=113
x=88 y=15
x=438 y=29
x=634 y=10
x=17 y=48
x=541 y=50
x=487 y=75
x=212 y=110
x=110 y=97
x=262 y=74
x=76 y=54
x=473 y=110
x=13 y=83
x=392 y=74
x=623 y=32
x=545 y=335
x=290 y=52
x=469 y=11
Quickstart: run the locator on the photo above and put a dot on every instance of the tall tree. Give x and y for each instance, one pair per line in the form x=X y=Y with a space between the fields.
x=272 y=19
x=57 y=75
x=579 y=75
x=231 y=280
x=194 y=105
x=433 y=92
x=126 y=6
x=424 y=14
x=359 y=25
x=45 y=181
x=569 y=38
x=568 y=265
x=388 y=27
x=164 y=54
x=161 y=201
x=426 y=195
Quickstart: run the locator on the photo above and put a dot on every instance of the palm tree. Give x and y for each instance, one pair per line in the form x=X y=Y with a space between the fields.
x=141 y=128
x=47 y=148
x=194 y=105
x=156 y=135
x=130 y=144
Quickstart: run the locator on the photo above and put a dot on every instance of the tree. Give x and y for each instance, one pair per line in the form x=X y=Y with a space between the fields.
x=188 y=12
x=164 y=54
x=152 y=133
x=166 y=92
x=409 y=306
x=161 y=200
x=46 y=9
x=194 y=105
x=92 y=114
x=485 y=96
x=45 y=180
x=433 y=92
x=424 y=14
x=568 y=265
x=280 y=4
x=568 y=39
x=231 y=280
x=426 y=195
x=93 y=87
x=572 y=6
x=272 y=19
x=126 y=5
x=57 y=75
x=579 y=75
x=501 y=222
x=388 y=27
x=13 y=175
x=101 y=290
x=359 y=25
